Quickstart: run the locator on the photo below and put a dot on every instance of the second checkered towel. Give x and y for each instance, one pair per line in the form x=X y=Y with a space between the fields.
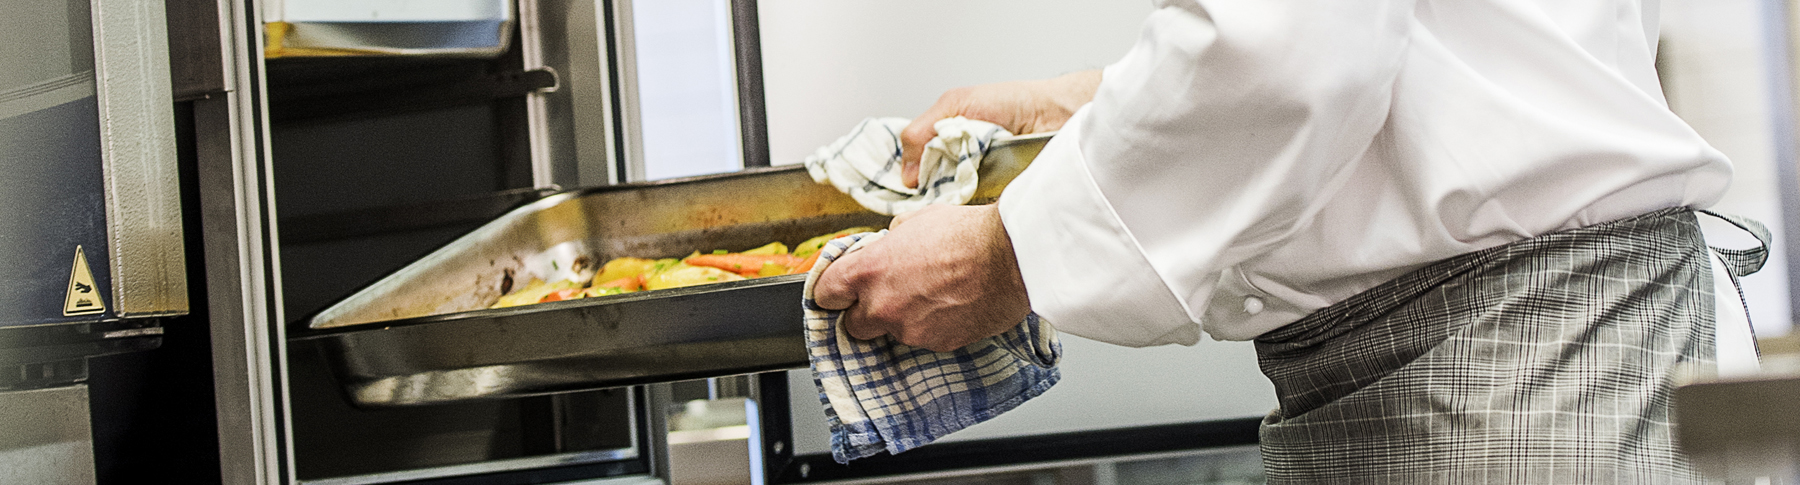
x=881 y=395
x=866 y=163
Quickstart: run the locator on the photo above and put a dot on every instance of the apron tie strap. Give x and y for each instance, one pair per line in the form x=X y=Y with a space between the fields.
x=1743 y=262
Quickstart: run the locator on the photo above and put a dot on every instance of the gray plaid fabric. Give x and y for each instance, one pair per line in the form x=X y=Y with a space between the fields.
x=1548 y=360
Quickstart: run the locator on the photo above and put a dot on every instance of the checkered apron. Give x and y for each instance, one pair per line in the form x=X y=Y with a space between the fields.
x=1548 y=360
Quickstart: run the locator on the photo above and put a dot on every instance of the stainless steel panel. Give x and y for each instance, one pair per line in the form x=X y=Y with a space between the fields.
x=629 y=123
x=1741 y=429
x=564 y=459
x=538 y=119
x=46 y=437
x=304 y=28
x=137 y=133
x=424 y=334
x=87 y=123
x=753 y=116
x=237 y=235
x=51 y=181
x=568 y=36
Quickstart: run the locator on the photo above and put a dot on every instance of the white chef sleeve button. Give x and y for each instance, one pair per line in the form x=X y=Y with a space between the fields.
x=1253 y=305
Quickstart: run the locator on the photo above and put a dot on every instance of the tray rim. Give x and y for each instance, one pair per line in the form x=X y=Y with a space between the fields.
x=474 y=316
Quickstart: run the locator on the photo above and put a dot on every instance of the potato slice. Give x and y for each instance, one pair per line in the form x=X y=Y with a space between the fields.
x=533 y=292
x=771 y=248
x=813 y=245
x=681 y=275
x=624 y=268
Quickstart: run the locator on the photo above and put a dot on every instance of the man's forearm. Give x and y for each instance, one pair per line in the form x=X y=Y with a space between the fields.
x=1062 y=96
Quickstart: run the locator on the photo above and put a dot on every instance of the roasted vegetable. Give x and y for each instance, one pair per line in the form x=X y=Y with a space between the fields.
x=560 y=295
x=806 y=264
x=626 y=275
x=625 y=268
x=771 y=248
x=772 y=269
x=603 y=291
x=626 y=284
x=534 y=292
x=684 y=275
x=811 y=246
x=745 y=264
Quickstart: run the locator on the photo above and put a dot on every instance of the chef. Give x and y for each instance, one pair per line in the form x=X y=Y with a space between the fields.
x=1461 y=233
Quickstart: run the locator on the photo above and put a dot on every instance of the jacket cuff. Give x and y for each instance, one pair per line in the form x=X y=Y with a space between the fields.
x=1083 y=270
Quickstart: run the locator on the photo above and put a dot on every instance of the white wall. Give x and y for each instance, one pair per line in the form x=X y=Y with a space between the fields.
x=1716 y=75
x=687 y=87
x=827 y=64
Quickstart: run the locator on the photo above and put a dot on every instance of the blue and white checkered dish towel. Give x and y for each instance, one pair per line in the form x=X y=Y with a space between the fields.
x=883 y=395
x=866 y=163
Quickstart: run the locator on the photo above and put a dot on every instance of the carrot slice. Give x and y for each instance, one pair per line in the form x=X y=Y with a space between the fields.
x=628 y=283
x=560 y=295
x=741 y=263
x=805 y=265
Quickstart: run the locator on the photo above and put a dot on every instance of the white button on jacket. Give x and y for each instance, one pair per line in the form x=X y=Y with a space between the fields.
x=1302 y=151
x=1253 y=305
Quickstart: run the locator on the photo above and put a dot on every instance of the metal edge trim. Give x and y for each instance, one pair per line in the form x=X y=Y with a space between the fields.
x=537 y=124
x=585 y=88
x=242 y=259
x=1026 y=451
x=658 y=398
x=624 y=68
x=753 y=123
x=259 y=189
x=634 y=416
x=1047 y=465
x=1020 y=139
x=137 y=132
x=310 y=333
x=135 y=332
x=563 y=459
x=507 y=25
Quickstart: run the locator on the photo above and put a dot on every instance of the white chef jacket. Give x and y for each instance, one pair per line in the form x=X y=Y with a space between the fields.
x=1251 y=161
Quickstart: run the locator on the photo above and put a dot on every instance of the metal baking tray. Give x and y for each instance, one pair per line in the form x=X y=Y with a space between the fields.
x=425 y=335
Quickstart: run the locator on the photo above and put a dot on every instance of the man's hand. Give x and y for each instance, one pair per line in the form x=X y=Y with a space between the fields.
x=942 y=278
x=1022 y=107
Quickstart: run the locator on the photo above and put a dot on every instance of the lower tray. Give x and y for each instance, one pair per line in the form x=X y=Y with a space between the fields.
x=722 y=329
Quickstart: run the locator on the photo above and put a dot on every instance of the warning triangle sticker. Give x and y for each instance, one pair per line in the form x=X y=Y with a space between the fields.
x=83 y=297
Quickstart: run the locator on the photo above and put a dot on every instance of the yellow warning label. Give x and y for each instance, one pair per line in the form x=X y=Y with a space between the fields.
x=83 y=298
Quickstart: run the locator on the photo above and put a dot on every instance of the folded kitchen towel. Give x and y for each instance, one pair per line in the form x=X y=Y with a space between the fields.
x=883 y=395
x=866 y=163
